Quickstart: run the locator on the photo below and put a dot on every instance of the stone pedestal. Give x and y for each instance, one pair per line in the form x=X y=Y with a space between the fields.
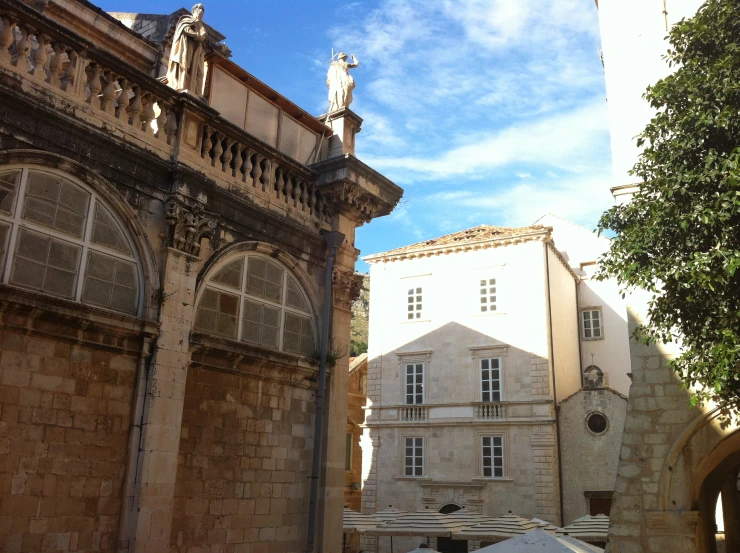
x=346 y=124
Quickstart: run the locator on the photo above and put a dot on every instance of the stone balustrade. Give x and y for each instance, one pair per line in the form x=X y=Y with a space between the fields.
x=77 y=70
x=489 y=411
x=413 y=413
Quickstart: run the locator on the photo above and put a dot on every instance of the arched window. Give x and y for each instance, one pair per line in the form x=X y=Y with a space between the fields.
x=253 y=299
x=58 y=237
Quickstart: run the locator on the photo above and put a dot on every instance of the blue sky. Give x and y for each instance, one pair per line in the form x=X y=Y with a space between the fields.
x=484 y=111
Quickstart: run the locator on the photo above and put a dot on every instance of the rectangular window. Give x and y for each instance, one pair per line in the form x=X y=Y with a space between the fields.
x=414 y=383
x=493 y=457
x=490 y=379
x=591 y=319
x=414 y=457
x=488 y=295
x=413 y=303
x=348 y=452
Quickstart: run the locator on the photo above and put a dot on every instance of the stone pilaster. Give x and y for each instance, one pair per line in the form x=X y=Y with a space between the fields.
x=544 y=453
x=346 y=124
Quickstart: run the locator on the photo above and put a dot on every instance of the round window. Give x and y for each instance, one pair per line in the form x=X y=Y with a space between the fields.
x=597 y=423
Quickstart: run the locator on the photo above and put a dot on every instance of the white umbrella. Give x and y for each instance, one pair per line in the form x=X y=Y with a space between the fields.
x=592 y=529
x=423 y=550
x=352 y=521
x=497 y=529
x=539 y=541
x=388 y=514
x=424 y=523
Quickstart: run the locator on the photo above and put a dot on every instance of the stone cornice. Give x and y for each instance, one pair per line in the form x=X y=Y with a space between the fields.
x=445 y=249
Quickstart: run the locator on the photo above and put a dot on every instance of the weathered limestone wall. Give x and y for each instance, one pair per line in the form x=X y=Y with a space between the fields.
x=65 y=416
x=245 y=459
x=589 y=460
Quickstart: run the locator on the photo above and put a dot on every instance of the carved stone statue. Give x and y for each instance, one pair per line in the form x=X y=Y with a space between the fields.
x=186 y=70
x=340 y=82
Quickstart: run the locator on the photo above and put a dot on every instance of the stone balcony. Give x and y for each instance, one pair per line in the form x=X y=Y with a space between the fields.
x=52 y=68
x=460 y=413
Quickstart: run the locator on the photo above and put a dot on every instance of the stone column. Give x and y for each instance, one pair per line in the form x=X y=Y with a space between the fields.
x=547 y=491
x=161 y=422
x=731 y=512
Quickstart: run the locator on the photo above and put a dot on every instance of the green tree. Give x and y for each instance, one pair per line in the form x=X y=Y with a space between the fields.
x=679 y=237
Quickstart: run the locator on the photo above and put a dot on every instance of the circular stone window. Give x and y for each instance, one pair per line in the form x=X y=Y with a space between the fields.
x=597 y=423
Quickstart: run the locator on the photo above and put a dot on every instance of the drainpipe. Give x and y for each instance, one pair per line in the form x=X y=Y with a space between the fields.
x=333 y=240
x=554 y=390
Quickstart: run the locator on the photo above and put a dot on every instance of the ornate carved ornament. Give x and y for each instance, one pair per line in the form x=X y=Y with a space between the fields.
x=354 y=201
x=347 y=286
x=188 y=225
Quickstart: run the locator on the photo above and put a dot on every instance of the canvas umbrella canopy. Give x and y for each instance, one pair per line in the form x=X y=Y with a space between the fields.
x=388 y=514
x=424 y=523
x=546 y=526
x=592 y=529
x=497 y=529
x=352 y=521
x=539 y=541
x=469 y=518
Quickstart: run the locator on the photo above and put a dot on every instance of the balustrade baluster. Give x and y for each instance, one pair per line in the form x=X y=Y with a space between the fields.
x=148 y=114
x=265 y=177
x=93 y=72
x=171 y=128
x=123 y=101
x=109 y=93
x=7 y=37
x=279 y=182
x=39 y=56
x=22 y=48
x=238 y=160
x=68 y=80
x=162 y=119
x=55 y=65
x=206 y=145
x=247 y=166
x=289 y=183
x=217 y=148
x=312 y=200
x=257 y=169
x=227 y=156
x=304 y=196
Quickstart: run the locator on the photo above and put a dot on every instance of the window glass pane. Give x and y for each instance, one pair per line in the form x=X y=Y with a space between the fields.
x=107 y=233
x=264 y=279
x=231 y=275
x=217 y=313
x=45 y=263
x=4 y=233
x=9 y=181
x=261 y=323
x=56 y=203
x=294 y=297
x=298 y=336
x=110 y=282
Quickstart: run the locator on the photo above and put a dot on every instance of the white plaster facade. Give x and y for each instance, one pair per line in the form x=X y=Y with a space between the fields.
x=534 y=334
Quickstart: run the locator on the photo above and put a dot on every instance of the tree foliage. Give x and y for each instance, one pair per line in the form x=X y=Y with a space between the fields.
x=679 y=237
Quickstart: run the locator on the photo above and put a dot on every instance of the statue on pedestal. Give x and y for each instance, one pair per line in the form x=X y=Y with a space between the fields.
x=186 y=70
x=340 y=82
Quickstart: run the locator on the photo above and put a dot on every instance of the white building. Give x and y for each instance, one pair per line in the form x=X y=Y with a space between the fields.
x=476 y=338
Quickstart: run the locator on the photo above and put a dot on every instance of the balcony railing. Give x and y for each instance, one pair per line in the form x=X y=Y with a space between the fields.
x=172 y=124
x=489 y=411
x=413 y=413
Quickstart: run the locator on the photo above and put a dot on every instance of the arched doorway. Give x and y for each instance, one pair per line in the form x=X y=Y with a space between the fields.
x=448 y=545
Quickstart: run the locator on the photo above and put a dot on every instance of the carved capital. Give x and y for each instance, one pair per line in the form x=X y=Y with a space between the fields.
x=347 y=286
x=188 y=225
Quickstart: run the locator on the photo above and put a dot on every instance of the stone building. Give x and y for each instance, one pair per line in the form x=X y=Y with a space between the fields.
x=476 y=340
x=674 y=460
x=162 y=266
x=356 y=402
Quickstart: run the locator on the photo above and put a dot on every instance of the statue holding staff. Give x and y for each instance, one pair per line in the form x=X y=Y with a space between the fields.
x=340 y=82
x=186 y=70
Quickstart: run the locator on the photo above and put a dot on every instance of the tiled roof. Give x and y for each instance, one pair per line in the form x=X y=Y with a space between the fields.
x=482 y=233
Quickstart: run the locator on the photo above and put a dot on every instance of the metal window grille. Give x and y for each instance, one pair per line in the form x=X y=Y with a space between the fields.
x=414 y=457
x=490 y=379
x=493 y=456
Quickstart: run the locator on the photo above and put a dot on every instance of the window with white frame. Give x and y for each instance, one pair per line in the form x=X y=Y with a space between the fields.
x=414 y=456
x=591 y=324
x=414 y=383
x=255 y=300
x=487 y=292
x=413 y=303
x=493 y=456
x=490 y=379
x=59 y=237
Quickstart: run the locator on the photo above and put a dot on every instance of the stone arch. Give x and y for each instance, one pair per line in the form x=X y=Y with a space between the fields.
x=113 y=199
x=449 y=508
x=593 y=377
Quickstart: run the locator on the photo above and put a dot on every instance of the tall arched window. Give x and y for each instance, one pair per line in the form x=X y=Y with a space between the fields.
x=58 y=237
x=253 y=299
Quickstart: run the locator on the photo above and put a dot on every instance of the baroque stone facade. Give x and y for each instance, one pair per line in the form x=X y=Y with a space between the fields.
x=162 y=275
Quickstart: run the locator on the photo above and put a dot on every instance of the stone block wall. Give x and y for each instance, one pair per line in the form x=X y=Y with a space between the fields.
x=244 y=465
x=65 y=417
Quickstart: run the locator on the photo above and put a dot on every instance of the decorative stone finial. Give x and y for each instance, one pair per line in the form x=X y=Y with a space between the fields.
x=186 y=70
x=340 y=82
